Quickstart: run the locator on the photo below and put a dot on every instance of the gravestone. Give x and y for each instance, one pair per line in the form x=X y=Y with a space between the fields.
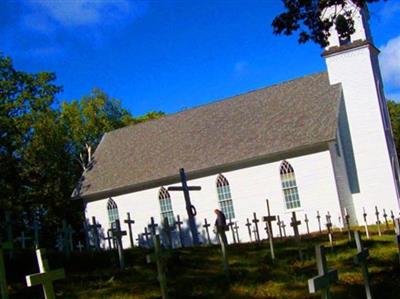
x=66 y=238
x=361 y=259
x=130 y=222
x=22 y=239
x=329 y=228
x=157 y=257
x=269 y=219
x=236 y=228
x=4 y=246
x=85 y=230
x=378 y=221
x=207 y=228
x=325 y=278
x=95 y=231
x=365 y=223
x=347 y=219
x=190 y=209
x=279 y=223
x=306 y=221
x=319 y=221
x=386 y=220
x=257 y=232
x=179 y=223
x=9 y=230
x=248 y=224
x=117 y=234
x=45 y=277
x=168 y=232
x=230 y=225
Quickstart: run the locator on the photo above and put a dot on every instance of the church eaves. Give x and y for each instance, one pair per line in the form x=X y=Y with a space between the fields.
x=285 y=120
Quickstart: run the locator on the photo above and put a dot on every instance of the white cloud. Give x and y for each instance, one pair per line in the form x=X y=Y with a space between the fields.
x=390 y=62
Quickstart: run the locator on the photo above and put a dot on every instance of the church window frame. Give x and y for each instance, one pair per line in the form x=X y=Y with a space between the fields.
x=112 y=210
x=225 y=200
x=289 y=186
x=166 y=209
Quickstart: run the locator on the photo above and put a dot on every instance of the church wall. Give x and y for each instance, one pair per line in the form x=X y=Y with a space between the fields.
x=249 y=189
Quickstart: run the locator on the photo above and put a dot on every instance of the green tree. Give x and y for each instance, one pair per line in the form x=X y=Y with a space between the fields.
x=394 y=112
x=306 y=16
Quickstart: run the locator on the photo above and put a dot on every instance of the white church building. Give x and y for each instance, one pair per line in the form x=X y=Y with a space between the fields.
x=321 y=143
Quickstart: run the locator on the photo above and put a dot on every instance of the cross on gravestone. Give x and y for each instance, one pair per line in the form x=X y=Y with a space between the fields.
x=397 y=239
x=269 y=219
x=230 y=225
x=256 y=232
x=146 y=235
x=80 y=246
x=378 y=222
x=22 y=238
x=284 y=228
x=129 y=222
x=3 y=282
x=206 y=226
x=236 y=228
x=361 y=259
x=347 y=218
x=386 y=220
x=45 y=277
x=306 y=221
x=365 y=223
x=329 y=228
x=117 y=234
x=95 y=231
x=222 y=242
x=190 y=209
x=279 y=223
x=157 y=257
x=109 y=238
x=179 y=223
x=325 y=277
x=152 y=226
x=248 y=224
x=167 y=231
x=319 y=222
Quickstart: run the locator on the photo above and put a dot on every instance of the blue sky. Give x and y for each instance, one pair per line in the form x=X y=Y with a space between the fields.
x=171 y=55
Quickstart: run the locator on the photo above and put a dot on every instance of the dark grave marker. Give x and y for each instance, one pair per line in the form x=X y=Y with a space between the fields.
x=179 y=223
x=269 y=219
x=168 y=232
x=306 y=221
x=157 y=257
x=256 y=232
x=95 y=230
x=146 y=236
x=295 y=225
x=207 y=228
x=4 y=246
x=386 y=220
x=152 y=226
x=130 y=222
x=117 y=234
x=319 y=221
x=279 y=223
x=248 y=224
x=378 y=222
x=236 y=228
x=22 y=239
x=361 y=259
x=365 y=223
x=230 y=225
x=329 y=228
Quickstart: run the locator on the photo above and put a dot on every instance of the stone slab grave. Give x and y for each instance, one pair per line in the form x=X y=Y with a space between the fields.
x=117 y=234
x=179 y=223
x=361 y=259
x=4 y=246
x=158 y=258
x=190 y=209
x=365 y=223
x=206 y=226
x=378 y=221
x=130 y=222
x=45 y=277
x=325 y=277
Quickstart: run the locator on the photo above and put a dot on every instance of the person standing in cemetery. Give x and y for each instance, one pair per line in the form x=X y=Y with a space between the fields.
x=220 y=226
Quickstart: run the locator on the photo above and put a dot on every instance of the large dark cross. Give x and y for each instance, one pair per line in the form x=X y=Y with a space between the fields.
x=269 y=219
x=190 y=209
x=129 y=222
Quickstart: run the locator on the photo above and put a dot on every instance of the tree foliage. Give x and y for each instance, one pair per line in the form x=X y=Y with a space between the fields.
x=307 y=17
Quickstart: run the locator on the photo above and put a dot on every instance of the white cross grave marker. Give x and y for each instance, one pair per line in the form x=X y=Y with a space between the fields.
x=46 y=276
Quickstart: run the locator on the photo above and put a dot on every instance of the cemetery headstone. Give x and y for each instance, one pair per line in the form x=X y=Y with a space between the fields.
x=117 y=234
x=270 y=239
x=230 y=225
x=190 y=209
x=306 y=221
x=325 y=277
x=279 y=223
x=378 y=222
x=393 y=217
x=157 y=257
x=130 y=222
x=361 y=259
x=365 y=223
x=319 y=222
x=3 y=281
x=340 y=223
x=179 y=223
x=207 y=228
x=248 y=224
x=45 y=277
x=385 y=216
x=85 y=230
x=257 y=232
x=269 y=219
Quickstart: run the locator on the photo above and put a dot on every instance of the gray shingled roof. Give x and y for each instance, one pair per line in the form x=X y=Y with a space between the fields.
x=248 y=128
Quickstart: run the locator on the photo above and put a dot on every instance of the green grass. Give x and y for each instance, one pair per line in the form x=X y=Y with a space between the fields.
x=197 y=272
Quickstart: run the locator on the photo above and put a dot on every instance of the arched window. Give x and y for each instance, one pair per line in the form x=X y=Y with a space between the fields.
x=289 y=186
x=112 y=210
x=224 y=197
x=166 y=206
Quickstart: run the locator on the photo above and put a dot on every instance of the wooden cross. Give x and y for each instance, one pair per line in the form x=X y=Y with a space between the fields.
x=279 y=222
x=248 y=224
x=117 y=234
x=206 y=226
x=319 y=222
x=46 y=276
x=325 y=277
x=179 y=223
x=190 y=209
x=109 y=238
x=361 y=259
x=347 y=218
x=284 y=228
x=95 y=229
x=152 y=226
x=269 y=219
x=157 y=257
x=329 y=228
x=386 y=220
x=256 y=232
x=295 y=224
x=129 y=222
x=231 y=224
x=236 y=228
x=23 y=239
x=146 y=235
x=378 y=222
x=80 y=246
x=3 y=282
x=167 y=231
x=365 y=223
x=306 y=221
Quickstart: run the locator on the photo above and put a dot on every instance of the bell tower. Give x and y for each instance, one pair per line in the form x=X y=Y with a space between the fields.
x=364 y=132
